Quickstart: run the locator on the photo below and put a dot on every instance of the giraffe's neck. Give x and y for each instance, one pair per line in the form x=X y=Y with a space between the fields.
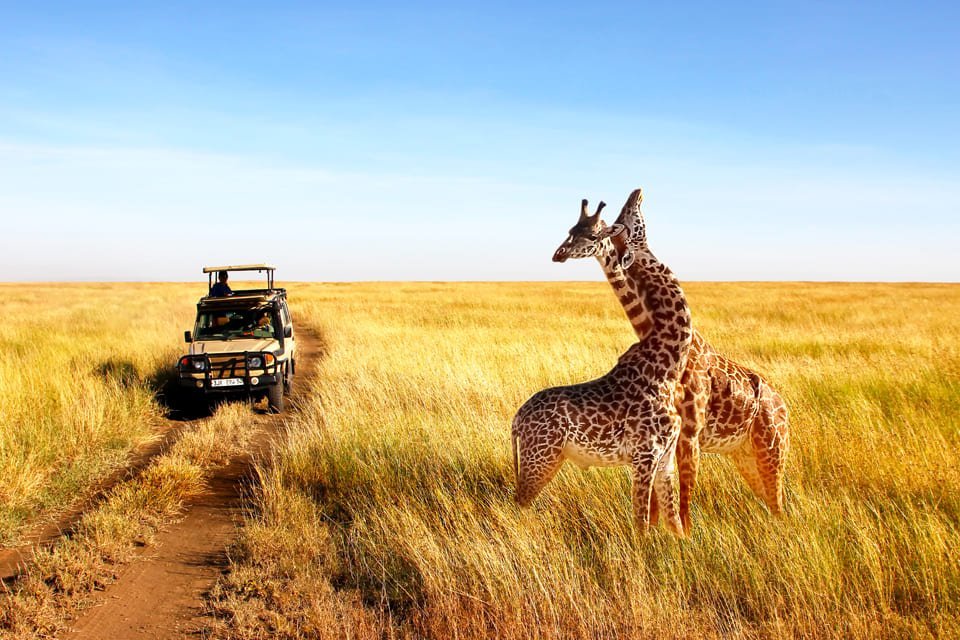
x=671 y=332
x=630 y=292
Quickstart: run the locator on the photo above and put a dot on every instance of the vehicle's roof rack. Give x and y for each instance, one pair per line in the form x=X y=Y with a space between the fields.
x=241 y=267
x=237 y=301
x=269 y=268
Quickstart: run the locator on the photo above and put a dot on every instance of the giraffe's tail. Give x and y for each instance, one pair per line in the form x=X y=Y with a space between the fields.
x=515 y=446
x=757 y=382
x=516 y=461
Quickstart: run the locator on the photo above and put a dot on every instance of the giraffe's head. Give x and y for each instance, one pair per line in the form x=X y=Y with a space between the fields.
x=631 y=228
x=584 y=239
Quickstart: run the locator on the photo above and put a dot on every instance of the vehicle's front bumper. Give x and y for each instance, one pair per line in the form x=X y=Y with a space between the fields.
x=231 y=366
x=252 y=383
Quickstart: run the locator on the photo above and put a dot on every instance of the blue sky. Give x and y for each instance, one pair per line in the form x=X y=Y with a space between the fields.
x=812 y=141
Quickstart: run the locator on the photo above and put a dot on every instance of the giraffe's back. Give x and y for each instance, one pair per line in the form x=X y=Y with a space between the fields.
x=590 y=419
x=733 y=405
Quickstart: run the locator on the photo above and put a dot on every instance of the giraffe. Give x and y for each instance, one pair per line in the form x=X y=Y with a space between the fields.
x=627 y=417
x=726 y=407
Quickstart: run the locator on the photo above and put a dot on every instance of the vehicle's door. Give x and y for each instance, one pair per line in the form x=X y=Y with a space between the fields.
x=285 y=316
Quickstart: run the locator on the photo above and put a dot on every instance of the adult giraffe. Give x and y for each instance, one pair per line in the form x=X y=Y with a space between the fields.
x=627 y=417
x=726 y=407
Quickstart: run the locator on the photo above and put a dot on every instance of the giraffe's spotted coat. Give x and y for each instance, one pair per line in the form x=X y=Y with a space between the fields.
x=627 y=417
x=726 y=407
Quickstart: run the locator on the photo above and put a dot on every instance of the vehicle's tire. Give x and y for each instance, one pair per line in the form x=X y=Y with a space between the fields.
x=275 y=397
x=288 y=377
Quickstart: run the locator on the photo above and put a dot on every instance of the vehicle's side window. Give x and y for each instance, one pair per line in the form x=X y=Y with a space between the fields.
x=284 y=313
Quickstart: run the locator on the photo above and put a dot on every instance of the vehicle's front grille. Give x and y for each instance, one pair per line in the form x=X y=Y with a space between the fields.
x=228 y=366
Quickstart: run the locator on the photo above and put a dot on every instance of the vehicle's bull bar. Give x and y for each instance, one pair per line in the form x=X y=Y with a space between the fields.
x=269 y=375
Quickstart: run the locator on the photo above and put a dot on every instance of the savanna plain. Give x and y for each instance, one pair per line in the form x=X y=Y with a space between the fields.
x=386 y=507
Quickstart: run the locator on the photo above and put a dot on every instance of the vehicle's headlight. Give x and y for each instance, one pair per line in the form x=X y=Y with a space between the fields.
x=199 y=365
x=256 y=362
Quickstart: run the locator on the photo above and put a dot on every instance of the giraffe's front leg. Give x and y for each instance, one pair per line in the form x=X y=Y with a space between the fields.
x=654 y=509
x=693 y=411
x=663 y=489
x=644 y=465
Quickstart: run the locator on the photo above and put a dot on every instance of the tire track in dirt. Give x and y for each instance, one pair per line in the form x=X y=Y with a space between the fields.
x=15 y=560
x=161 y=593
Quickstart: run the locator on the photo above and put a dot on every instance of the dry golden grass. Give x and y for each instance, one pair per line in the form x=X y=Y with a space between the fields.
x=65 y=577
x=79 y=367
x=388 y=509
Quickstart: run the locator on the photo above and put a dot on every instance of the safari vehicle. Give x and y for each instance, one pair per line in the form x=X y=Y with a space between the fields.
x=241 y=343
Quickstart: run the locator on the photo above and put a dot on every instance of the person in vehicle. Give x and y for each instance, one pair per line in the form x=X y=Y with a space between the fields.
x=221 y=289
x=265 y=322
x=262 y=327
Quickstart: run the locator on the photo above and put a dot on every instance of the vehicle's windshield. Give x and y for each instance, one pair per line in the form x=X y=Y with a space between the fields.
x=233 y=324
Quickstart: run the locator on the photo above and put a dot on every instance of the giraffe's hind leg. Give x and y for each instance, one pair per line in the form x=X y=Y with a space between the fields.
x=746 y=461
x=762 y=458
x=537 y=464
x=770 y=438
x=688 y=465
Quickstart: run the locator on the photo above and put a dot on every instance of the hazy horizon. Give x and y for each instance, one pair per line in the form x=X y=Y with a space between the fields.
x=286 y=283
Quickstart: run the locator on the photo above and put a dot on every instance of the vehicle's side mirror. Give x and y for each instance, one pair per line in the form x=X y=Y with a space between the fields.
x=288 y=332
x=187 y=337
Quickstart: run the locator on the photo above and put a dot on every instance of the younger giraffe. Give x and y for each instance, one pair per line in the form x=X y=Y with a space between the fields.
x=627 y=417
x=726 y=407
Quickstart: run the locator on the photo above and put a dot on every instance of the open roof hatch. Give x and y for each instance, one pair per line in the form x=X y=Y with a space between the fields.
x=269 y=268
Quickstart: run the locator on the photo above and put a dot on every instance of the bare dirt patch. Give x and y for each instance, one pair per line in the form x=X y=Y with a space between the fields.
x=160 y=595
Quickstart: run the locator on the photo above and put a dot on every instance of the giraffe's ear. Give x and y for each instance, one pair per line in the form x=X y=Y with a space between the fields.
x=627 y=260
x=613 y=230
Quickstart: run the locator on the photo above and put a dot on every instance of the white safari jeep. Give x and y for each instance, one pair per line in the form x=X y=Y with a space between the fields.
x=242 y=342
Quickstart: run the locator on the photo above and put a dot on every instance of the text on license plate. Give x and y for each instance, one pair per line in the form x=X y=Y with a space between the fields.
x=226 y=382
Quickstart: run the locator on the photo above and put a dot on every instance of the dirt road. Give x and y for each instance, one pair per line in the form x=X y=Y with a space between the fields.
x=160 y=595
x=15 y=560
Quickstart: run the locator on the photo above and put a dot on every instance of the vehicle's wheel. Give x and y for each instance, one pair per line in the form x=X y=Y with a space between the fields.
x=288 y=377
x=275 y=397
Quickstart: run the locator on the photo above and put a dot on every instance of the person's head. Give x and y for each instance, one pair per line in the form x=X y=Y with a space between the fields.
x=222 y=276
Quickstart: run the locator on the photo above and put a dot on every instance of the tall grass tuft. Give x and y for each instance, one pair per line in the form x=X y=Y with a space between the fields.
x=80 y=366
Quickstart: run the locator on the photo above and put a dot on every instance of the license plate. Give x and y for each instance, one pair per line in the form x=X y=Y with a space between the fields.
x=226 y=382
